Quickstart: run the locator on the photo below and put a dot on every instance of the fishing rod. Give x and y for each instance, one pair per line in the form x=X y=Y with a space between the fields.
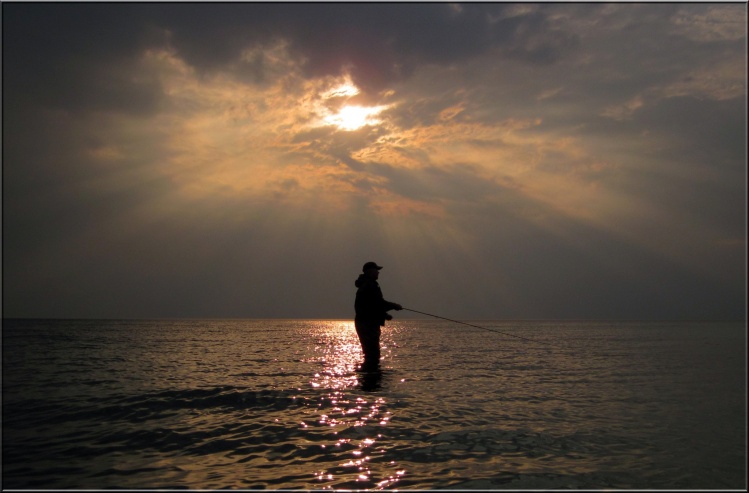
x=480 y=327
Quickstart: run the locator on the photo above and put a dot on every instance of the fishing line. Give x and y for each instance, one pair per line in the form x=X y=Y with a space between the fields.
x=480 y=327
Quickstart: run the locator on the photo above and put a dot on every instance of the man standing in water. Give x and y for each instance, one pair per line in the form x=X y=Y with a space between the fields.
x=371 y=313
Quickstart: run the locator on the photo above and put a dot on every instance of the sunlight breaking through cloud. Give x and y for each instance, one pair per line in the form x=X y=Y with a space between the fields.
x=355 y=117
x=510 y=145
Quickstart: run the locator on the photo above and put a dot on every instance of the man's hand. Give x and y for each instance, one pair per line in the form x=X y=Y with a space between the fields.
x=388 y=316
x=397 y=307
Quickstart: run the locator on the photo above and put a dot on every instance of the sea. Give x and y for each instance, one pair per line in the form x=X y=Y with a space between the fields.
x=279 y=404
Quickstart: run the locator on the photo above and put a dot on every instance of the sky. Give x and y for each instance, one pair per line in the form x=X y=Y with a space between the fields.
x=501 y=161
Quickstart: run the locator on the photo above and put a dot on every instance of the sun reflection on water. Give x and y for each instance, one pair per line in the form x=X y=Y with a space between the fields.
x=349 y=407
x=337 y=349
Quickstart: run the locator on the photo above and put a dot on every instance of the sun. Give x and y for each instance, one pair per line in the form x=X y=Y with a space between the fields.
x=355 y=117
x=334 y=108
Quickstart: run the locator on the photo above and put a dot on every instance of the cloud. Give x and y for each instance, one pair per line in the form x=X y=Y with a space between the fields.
x=710 y=23
x=377 y=45
x=520 y=160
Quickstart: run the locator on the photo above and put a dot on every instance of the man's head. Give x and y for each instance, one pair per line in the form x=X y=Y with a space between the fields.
x=372 y=269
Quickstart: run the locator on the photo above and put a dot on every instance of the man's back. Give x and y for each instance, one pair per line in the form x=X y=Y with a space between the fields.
x=369 y=303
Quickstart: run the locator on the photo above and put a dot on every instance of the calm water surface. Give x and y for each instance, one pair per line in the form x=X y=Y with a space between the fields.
x=278 y=404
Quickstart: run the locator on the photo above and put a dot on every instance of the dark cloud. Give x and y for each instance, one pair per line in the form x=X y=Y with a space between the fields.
x=75 y=56
x=85 y=48
x=377 y=41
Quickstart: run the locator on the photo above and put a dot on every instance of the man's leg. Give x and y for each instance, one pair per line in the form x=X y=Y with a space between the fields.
x=369 y=337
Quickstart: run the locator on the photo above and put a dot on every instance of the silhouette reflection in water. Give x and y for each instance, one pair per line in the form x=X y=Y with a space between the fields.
x=370 y=381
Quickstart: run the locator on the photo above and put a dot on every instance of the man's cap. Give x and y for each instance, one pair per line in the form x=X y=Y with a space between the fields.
x=370 y=265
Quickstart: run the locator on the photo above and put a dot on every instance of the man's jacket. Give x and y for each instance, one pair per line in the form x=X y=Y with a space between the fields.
x=369 y=304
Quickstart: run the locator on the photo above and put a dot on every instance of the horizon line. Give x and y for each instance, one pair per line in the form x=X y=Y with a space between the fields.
x=744 y=320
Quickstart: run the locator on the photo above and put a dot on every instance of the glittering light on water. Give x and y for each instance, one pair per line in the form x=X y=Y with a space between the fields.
x=342 y=408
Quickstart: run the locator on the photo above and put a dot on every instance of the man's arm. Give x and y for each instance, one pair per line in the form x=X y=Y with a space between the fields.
x=389 y=305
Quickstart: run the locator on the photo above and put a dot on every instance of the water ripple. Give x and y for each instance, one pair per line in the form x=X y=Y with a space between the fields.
x=202 y=406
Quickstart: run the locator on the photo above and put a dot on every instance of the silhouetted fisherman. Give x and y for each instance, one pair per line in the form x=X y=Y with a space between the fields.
x=371 y=314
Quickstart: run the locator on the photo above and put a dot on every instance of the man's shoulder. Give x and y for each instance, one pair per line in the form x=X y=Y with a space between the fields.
x=370 y=286
x=367 y=283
